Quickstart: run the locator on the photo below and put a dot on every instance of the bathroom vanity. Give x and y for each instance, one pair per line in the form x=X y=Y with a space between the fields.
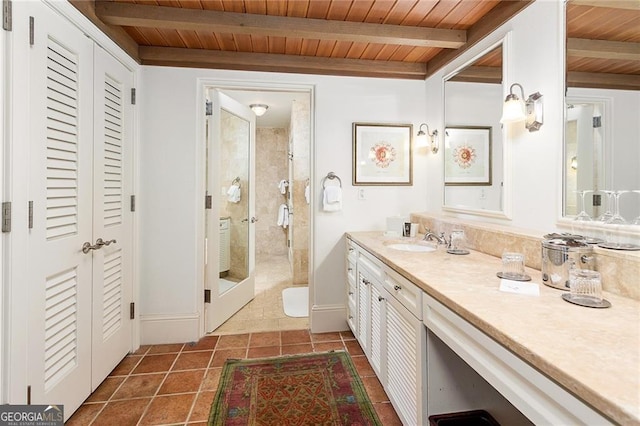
x=442 y=338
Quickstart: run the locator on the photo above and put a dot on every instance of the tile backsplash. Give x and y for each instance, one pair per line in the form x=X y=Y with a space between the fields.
x=620 y=270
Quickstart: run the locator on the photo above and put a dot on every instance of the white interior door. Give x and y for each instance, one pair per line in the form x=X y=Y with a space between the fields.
x=60 y=185
x=230 y=159
x=112 y=216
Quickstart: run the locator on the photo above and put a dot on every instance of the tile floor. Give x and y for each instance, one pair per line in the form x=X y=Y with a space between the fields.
x=175 y=384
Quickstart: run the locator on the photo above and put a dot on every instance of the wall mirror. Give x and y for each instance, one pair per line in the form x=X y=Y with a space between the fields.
x=473 y=137
x=602 y=130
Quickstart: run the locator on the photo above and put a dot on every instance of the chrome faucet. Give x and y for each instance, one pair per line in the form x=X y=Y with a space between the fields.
x=431 y=236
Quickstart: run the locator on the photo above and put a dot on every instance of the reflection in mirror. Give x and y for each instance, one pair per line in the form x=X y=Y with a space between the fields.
x=473 y=101
x=602 y=131
x=234 y=205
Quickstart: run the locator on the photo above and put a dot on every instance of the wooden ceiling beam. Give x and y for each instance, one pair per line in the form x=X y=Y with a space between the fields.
x=479 y=74
x=603 y=80
x=603 y=49
x=136 y=15
x=201 y=58
x=117 y=34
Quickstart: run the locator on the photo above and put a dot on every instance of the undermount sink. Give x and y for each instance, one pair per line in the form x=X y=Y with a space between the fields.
x=417 y=248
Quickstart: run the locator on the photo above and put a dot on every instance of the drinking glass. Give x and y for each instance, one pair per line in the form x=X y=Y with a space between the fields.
x=583 y=216
x=513 y=267
x=458 y=242
x=585 y=284
x=604 y=217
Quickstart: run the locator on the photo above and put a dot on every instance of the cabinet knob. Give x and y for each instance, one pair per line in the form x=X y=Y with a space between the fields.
x=350 y=317
x=349 y=269
x=350 y=293
x=397 y=287
x=380 y=298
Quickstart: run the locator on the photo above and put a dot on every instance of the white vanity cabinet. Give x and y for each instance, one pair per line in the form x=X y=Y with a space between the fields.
x=389 y=328
x=352 y=294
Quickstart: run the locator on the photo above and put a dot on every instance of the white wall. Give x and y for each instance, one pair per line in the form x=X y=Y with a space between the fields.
x=170 y=175
x=535 y=60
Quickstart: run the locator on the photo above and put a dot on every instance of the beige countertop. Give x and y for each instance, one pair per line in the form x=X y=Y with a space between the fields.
x=593 y=353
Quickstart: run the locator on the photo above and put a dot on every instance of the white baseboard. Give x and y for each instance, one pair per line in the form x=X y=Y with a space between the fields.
x=160 y=329
x=327 y=318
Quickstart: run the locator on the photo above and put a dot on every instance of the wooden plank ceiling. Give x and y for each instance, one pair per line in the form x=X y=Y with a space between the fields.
x=374 y=38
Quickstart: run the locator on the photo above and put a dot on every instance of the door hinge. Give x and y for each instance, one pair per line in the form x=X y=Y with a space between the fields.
x=208 y=108
x=133 y=203
x=6 y=15
x=30 y=214
x=288 y=243
x=207 y=295
x=133 y=96
x=208 y=200
x=32 y=25
x=132 y=310
x=6 y=216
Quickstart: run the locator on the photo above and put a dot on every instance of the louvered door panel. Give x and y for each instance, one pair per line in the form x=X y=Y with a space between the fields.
x=402 y=373
x=62 y=141
x=363 y=312
x=375 y=334
x=113 y=134
x=112 y=302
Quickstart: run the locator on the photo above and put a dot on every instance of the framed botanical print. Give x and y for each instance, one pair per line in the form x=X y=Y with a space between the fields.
x=467 y=155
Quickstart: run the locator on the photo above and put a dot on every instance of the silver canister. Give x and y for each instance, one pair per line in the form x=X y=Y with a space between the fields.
x=561 y=254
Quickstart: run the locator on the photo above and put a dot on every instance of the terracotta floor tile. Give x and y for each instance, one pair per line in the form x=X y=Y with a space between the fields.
x=293 y=337
x=264 y=351
x=347 y=335
x=84 y=415
x=168 y=409
x=233 y=341
x=328 y=346
x=126 y=365
x=302 y=348
x=221 y=355
x=141 y=350
x=374 y=389
x=165 y=349
x=204 y=344
x=121 y=413
x=106 y=389
x=326 y=337
x=139 y=386
x=387 y=414
x=192 y=360
x=202 y=407
x=155 y=363
x=353 y=347
x=362 y=365
x=182 y=382
x=211 y=379
x=271 y=338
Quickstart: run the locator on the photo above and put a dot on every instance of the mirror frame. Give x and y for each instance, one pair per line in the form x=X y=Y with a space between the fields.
x=506 y=212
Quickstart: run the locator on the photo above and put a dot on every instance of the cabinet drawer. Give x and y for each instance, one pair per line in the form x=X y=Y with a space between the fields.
x=351 y=271
x=352 y=251
x=352 y=316
x=407 y=293
x=351 y=294
x=372 y=265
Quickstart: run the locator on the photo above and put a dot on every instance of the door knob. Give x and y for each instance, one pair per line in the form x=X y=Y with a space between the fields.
x=254 y=220
x=100 y=242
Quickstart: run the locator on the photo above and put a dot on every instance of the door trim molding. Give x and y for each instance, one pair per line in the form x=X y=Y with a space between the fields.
x=204 y=84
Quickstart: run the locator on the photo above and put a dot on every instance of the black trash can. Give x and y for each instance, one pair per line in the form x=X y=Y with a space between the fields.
x=463 y=418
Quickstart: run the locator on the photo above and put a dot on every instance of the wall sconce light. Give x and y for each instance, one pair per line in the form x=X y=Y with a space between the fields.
x=259 y=109
x=421 y=139
x=529 y=111
x=574 y=162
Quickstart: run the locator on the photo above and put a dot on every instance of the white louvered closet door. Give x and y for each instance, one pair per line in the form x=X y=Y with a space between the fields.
x=60 y=185
x=112 y=186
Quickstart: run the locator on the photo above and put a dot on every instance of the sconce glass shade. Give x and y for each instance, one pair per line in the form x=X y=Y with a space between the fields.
x=513 y=110
x=259 y=109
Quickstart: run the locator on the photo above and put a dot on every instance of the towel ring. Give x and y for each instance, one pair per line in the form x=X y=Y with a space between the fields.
x=236 y=180
x=331 y=176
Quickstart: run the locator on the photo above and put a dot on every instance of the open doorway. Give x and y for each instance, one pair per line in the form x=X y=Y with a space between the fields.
x=281 y=220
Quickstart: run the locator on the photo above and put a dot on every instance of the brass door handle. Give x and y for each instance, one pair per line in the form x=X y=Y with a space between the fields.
x=100 y=242
x=87 y=247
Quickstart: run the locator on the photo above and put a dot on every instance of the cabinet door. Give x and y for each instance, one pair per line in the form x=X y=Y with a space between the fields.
x=364 y=298
x=376 y=337
x=405 y=361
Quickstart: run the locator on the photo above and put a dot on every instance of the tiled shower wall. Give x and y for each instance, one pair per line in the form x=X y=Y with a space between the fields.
x=300 y=136
x=271 y=168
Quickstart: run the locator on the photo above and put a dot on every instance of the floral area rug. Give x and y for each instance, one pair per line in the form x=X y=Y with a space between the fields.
x=311 y=389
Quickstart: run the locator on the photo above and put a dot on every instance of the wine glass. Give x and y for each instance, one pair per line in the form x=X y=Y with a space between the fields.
x=583 y=216
x=617 y=219
x=604 y=217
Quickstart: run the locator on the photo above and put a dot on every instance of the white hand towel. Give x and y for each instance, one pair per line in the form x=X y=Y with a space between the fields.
x=283 y=216
x=332 y=199
x=307 y=194
x=282 y=186
x=233 y=194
